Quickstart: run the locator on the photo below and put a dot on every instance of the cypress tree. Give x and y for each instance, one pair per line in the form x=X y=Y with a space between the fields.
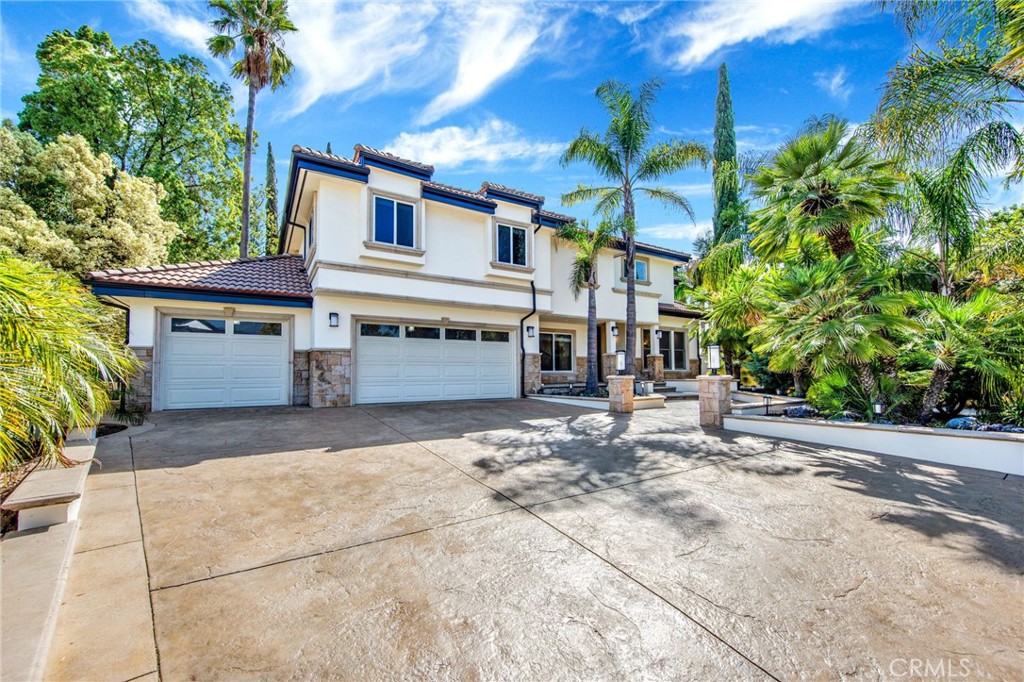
x=725 y=192
x=271 y=189
x=328 y=147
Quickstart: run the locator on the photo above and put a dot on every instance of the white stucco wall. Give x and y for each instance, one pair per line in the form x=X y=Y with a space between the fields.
x=351 y=309
x=142 y=329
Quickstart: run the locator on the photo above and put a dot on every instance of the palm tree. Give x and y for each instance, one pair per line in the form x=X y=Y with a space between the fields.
x=962 y=95
x=583 y=275
x=984 y=333
x=832 y=316
x=822 y=184
x=57 y=360
x=260 y=26
x=625 y=156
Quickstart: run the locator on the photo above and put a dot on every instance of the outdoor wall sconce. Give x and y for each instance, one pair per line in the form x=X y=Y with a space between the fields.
x=615 y=330
x=657 y=334
x=714 y=358
x=530 y=331
x=333 y=319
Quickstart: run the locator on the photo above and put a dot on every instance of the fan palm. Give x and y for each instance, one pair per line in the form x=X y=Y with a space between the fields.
x=984 y=333
x=625 y=156
x=737 y=305
x=57 y=360
x=260 y=27
x=831 y=316
x=583 y=275
x=820 y=185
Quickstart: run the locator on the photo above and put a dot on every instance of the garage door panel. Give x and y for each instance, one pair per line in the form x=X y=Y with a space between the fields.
x=378 y=371
x=422 y=392
x=251 y=373
x=461 y=391
x=190 y=348
x=422 y=350
x=380 y=393
x=494 y=390
x=243 y=396
x=376 y=349
x=422 y=371
x=196 y=396
x=460 y=371
x=241 y=350
x=194 y=372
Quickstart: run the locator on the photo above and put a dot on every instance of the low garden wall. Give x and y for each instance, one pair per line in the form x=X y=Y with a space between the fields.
x=1001 y=452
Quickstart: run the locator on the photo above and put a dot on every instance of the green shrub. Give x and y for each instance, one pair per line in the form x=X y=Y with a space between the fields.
x=58 y=360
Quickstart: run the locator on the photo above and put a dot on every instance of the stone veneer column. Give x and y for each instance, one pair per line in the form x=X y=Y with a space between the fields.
x=330 y=378
x=656 y=367
x=620 y=393
x=300 y=378
x=140 y=393
x=715 y=398
x=531 y=376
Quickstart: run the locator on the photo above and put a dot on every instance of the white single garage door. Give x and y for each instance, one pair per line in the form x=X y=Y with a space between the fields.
x=398 y=363
x=218 y=362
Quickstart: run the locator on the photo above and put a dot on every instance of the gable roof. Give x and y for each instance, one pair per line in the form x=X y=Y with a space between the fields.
x=677 y=309
x=278 y=276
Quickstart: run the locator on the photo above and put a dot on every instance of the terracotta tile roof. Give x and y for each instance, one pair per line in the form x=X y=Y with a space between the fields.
x=551 y=215
x=271 y=275
x=460 y=192
x=677 y=309
x=536 y=198
x=323 y=155
x=360 y=149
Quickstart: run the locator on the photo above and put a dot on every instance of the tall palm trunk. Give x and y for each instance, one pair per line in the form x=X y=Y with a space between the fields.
x=629 y=212
x=867 y=380
x=940 y=378
x=243 y=251
x=591 y=387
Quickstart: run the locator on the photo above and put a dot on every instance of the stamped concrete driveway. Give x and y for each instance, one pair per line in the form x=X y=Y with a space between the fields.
x=524 y=540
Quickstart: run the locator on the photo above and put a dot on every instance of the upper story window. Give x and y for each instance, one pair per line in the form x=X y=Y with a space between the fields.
x=309 y=230
x=394 y=222
x=642 y=270
x=511 y=245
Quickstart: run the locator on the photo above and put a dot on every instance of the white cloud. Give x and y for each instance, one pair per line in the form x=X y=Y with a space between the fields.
x=492 y=143
x=693 y=189
x=493 y=39
x=704 y=32
x=676 y=230
x=834 y=83
x=185 y=29
x=343 y=48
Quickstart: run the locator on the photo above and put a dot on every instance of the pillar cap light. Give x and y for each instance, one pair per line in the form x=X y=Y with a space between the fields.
x=714 y=358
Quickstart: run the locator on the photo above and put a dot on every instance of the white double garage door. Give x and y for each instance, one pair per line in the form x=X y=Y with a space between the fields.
x=397 y=363
x=208 y=361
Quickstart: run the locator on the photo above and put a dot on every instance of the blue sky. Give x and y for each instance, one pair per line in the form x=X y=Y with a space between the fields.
x=494 y=91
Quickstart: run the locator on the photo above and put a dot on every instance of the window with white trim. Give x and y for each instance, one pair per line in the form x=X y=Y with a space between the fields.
x=673 y=348
x=394 y=222
x=556 y=352
x=642 y=269
x=510 y=245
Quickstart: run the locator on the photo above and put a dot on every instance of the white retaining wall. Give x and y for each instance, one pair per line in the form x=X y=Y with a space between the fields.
x=1002 y=452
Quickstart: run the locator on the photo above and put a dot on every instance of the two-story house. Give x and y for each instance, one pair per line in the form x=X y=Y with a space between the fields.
x=391 y=287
